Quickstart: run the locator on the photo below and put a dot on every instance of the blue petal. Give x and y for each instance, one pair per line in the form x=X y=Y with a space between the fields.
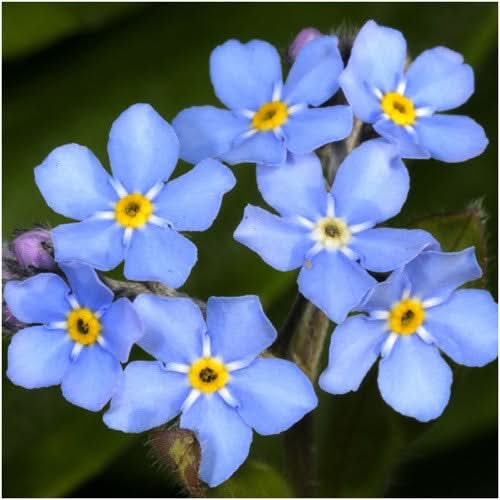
x=205 y=131
x=73 y=182
x=98 y=243
x=148 y=396
x=451 y=138
x=238 y=327
x=40 y=299
x=436 y=274
x=438 y=79
x=280 y=243
x=313 y=78
x=173 y=328
x=465 y=327
x=309 y=129
x=160 y=254
x=86 y=286
x=223 y=436
x=38 y=357
x=92 y=378
x=371 y=184
x=414 y=379
x=272 y=395
x=334 y=283
x=296 y=187
x=142 y=148
x=376 y=62
x=192 y=201
x=121 y=328
x=244 y=74
x=407 y=143
x=385 y=249
x=354 y=347
x=262 y=147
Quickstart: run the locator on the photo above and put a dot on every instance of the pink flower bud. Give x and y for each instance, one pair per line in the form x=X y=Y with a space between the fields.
x=304 y=36
x=31 y=249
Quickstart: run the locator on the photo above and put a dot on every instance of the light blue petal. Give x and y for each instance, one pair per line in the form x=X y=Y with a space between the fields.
x=466 y=327
x=414 y=379
x=334 y=283
x=160 y=254
x=98 y=243
x=407 y=143
x=376 y=62
x=192 y=201
x=436 y=274
x=148 y=396
x=371 y=184
x=205 y=131
x=313 y=78
x=309 y=129
x=223 y=436
x=272 y=395
x=121 y=328
x=296 y=187
x=385 y=249
x=38 y=357
x=40 y=299
x=86 y=286
x=438 y=79
x=280 y=243
x=238 y=327
x=262 y=147
x=92 y=378
x=244 y=74
x=354 y=348
x=142 y=148
x=73 y=182
x=451 y=138
x=173 y=328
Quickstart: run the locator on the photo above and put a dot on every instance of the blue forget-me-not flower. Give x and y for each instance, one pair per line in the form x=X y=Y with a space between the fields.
x=211 y=374
x=409 y=318
x=404 y=106
x=331 y=235
x=266 y=117
x=79 y=338
x=135 y=215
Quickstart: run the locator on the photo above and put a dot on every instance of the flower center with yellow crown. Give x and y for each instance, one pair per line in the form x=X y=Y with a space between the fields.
x=398 y=108
x=332 y=232
x=133 y=210
x=271 y=115
x=406 y=316
x=208 y=375
x=83 y=326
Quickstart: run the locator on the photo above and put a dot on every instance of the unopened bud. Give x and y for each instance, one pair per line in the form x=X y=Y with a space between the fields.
x=32 y=249
x=304 y=36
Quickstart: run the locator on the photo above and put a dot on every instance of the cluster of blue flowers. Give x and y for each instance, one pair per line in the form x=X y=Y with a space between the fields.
x=208 y=369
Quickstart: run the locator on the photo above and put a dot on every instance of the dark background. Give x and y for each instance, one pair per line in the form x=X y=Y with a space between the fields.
x=69 y=70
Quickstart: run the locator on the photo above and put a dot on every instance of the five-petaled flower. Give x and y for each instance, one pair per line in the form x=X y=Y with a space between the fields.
x=135 y=215
x=80 y=339
x=402 y=106
x=210 y=372
x=266 y=117
x=331 y=235
x=409 y=318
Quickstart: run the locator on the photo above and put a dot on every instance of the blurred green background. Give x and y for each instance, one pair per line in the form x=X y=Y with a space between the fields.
x=69 y=70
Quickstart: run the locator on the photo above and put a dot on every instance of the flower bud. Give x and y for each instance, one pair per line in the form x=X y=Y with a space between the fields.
x=31 y=249
x=304 y=36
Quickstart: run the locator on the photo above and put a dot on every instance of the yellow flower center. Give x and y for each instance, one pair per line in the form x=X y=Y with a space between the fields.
x=208 y=375
x=406 y=316
x=271 y=115
x=398 y=108
x=332 y=232
x=133 y=210
x=83 y=326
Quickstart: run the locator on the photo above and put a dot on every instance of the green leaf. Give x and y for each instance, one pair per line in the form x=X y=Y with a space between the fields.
x=254 y=479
